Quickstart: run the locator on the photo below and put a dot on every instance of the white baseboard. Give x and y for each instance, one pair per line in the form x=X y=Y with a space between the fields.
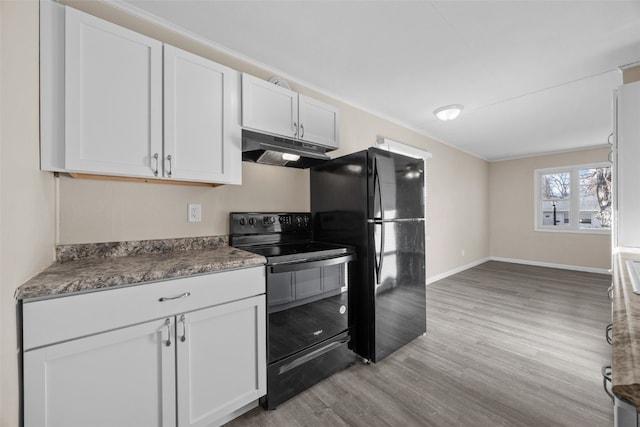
x=517 y=261
x=552 y=265
x=456 y=270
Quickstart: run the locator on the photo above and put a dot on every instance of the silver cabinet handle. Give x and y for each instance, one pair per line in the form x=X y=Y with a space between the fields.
x=609 y=157
x=610 y=139
x=183 y=338
x=183 y=295
x=167 y=323
x=155 y=171
x=169 y=172
x=295 y=125
x=608 y=334
x=606 y=378
x=610 y=293
x=301 y=131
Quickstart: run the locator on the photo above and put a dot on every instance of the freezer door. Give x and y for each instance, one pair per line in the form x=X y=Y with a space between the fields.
x=399 y=285
x=396 y=186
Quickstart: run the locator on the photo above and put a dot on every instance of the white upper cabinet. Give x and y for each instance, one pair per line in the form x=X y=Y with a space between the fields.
x=268 y=107
x=626 y=169
x=319 y=122
x=113 y=91
x=129 y=112
x=202 y=134
x=277 y=110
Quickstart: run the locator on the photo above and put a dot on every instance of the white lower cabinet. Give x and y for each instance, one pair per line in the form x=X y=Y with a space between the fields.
x=192 y=367
x=624 y=414
x=121 y=378
x=218 y=351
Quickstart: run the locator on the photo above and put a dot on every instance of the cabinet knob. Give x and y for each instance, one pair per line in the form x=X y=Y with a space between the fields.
x=183 y=338
x=155 y=171
x=167 y=323
x=607 y=378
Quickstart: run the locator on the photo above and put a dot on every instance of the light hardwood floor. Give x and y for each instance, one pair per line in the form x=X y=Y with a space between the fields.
x=506 y=345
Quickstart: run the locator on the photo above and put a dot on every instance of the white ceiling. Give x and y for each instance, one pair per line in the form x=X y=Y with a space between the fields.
x=533 y=76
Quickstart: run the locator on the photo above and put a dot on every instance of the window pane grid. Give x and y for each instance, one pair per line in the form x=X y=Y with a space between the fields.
x=576 y=198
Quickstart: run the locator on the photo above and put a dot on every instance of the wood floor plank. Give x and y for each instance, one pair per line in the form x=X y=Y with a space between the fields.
x=506 y=345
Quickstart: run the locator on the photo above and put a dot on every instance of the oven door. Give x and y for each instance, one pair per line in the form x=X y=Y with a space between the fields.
x=307 y=303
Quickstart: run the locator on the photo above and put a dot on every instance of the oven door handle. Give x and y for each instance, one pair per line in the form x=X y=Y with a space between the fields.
x=286 y=267
x=310 y=356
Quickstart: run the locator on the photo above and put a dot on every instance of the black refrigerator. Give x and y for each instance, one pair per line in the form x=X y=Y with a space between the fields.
x=374 y=200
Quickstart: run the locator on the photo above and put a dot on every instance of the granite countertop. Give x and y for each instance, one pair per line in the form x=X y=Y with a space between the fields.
x=89 y=267
x=625 y=358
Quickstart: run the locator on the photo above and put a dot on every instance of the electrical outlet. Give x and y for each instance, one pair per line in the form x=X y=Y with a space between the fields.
x=194 y=212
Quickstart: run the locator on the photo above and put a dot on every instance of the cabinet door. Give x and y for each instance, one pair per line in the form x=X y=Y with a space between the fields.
x=319 y=122
x=269 y=108
x=113 y=93
x=122 y=378
x=221 y=360
x=202 y=133
x=628 y=173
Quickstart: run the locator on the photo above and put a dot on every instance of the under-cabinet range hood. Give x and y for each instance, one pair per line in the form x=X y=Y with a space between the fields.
x=279 y=151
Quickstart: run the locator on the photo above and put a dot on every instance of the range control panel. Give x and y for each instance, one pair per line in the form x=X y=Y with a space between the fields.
x=270 y=222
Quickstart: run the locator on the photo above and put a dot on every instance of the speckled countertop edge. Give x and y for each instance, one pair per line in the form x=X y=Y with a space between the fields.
x=66 y=253
x=625 y=354
x=91 y=267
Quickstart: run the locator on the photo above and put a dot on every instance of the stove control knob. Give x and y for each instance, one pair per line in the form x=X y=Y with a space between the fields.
x=242 y=221
x=268 y=220
x=252 y=221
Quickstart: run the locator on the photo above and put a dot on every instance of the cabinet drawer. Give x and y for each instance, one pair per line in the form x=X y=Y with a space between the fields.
x=49 y=321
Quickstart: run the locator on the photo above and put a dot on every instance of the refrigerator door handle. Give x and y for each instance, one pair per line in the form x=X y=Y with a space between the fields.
x=379 y=252
x=377 y=186
x=382 y=226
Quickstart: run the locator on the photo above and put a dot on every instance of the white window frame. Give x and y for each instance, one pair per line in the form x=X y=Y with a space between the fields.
x=574 y=212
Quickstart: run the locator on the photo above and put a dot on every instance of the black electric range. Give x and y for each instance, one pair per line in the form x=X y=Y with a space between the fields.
x=309 y=323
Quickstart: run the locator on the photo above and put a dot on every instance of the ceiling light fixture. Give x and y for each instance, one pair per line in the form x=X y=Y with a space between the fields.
x=448 y=112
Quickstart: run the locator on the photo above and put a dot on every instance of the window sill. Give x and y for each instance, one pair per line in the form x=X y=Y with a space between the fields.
x=574 y=231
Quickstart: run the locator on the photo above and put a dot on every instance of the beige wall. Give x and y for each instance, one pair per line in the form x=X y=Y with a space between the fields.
x=26 y=194
x=512 y=216
x=631 y=75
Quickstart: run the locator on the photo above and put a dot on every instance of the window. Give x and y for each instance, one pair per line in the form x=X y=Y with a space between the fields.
x=573 y=198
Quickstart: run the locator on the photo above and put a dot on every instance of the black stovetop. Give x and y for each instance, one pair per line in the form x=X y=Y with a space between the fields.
x=280 y=237
x=297 y=251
